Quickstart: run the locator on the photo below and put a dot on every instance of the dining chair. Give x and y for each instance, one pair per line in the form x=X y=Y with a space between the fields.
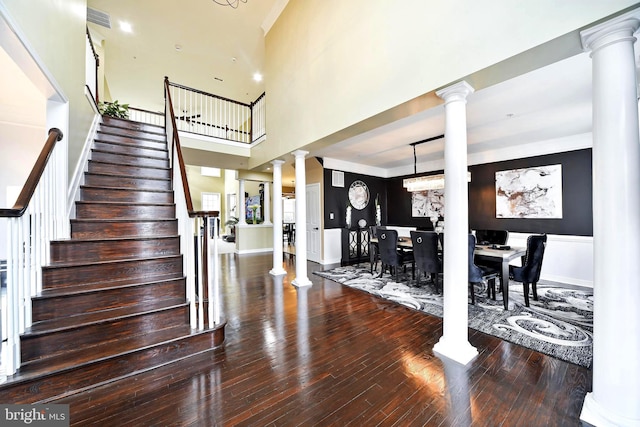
x=374 y=256
x=426 y=256
x=529 y=272
x=492 y=237
x=391 y=256
x=479 y=274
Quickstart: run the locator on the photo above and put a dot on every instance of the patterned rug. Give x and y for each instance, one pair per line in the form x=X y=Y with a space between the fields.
x=559 y=324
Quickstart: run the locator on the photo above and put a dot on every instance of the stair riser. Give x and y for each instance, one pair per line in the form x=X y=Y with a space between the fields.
x=47 y=345
x=67 y=383
x=128 y=170
x=130 y=149
x=105 y=250
x=134 y=133
x=125 y=195
x=108 y=137
x=59 y=276
x=101 y=211
x=67 y=305
x=111 y=122
x=126 y=182
x=100 y=156
x=99 y=230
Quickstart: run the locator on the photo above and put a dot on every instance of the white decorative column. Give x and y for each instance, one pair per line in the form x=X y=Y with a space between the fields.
x=277 y=218
x=242 y=220
x=301 y=220
x=266 y=215
x=454 y=342
x=615 y=399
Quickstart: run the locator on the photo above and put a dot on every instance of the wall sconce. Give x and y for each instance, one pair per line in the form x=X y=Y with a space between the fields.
x=424 y=183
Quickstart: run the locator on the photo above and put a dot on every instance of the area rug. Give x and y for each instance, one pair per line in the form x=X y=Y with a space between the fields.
x=559 y=324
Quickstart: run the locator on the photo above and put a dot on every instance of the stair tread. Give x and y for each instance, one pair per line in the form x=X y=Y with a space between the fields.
x=149 y=190
x=133 y=166
x=111 y=239
x=95 y=354
x=102 y=286
x=102 y=220
x=159 y=129
x=161 y=147
x=106 y=262
x=151 y=178
x=85 y=319
x=87 y=202
x=140 y=156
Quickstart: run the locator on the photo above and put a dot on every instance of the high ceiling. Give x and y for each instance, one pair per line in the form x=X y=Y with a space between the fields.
x=220 y=42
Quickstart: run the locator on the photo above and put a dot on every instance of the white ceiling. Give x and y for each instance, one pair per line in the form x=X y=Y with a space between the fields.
x=548 y=103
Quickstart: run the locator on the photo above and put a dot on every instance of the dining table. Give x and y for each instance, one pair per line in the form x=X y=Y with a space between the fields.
x=502 y=254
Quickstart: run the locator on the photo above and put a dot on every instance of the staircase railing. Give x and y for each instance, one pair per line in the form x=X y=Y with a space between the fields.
x=204 y=296
x=215 y=116
x=37 y=217
x=91 y=68
x=146 y=116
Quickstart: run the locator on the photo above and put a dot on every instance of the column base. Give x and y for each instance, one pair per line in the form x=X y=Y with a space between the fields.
x=461 y=352
x=301 y=282
x=277 y=271
x=593 y=413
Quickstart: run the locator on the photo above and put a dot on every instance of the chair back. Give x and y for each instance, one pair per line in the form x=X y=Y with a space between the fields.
x=425 y=251
x=532 y=264
x=492 y=237
x=475 y=272
x=373 y=229
x=388 y=247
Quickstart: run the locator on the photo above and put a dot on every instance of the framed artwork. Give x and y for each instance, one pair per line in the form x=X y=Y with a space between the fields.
x=529 y=193
x=428 y=203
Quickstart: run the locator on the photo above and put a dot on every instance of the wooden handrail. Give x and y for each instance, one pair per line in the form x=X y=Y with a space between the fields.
x=179 y=86
x=30 y=185
x=97 y=59
x=176 y=142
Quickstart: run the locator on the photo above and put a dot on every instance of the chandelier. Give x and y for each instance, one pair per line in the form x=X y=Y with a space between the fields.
x=233 y=3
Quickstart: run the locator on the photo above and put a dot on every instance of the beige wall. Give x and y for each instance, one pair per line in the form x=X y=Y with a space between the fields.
x=22 y=126
x=207 y=184
x=332 y=65
x=56 y=32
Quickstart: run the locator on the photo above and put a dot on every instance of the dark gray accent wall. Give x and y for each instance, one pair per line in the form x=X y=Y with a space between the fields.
x=396 y=201
x=577 y=195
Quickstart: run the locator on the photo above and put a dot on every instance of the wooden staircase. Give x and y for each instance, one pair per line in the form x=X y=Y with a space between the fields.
x=113 y=302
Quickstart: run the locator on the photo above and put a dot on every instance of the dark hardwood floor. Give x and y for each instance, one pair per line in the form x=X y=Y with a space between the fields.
x=331 y=355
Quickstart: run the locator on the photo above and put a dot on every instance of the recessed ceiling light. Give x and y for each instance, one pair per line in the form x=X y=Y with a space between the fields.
x=126 y=27
x=178 y=47
x=257 y=77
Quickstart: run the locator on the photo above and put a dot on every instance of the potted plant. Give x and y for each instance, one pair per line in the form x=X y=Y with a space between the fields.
x=231 y=223
x=114 y=109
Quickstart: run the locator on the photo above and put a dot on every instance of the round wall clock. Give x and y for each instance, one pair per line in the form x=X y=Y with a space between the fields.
x=358 y=195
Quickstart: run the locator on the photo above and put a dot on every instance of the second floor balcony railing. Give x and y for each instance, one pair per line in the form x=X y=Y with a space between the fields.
x=203 y=113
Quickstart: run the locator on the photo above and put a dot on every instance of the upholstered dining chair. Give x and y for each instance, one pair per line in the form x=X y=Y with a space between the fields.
x=529 y=272
x=492 y=237
x=425 y=254
x=374 y=256
x=479 y=274
x=390 y=255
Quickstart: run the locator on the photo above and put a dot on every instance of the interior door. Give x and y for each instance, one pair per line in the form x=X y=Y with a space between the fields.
x=314 y=242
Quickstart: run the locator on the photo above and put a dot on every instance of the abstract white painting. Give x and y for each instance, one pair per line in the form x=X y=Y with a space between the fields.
x=529 y=193
x=427 y=203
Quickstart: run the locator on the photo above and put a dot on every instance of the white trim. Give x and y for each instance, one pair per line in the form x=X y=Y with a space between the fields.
x=14 y=41
x=77 y=179
x=253 y=251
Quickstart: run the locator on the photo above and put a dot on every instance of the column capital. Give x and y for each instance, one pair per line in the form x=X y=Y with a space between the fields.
x=277 y=163
x=456 y=92
x=299 y=153
x=618 y=29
